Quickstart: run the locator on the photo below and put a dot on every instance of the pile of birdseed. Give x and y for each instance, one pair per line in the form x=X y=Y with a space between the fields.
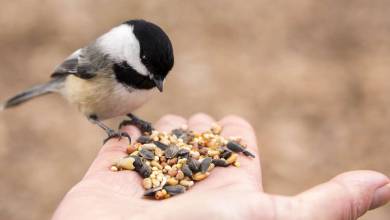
x=171 y=163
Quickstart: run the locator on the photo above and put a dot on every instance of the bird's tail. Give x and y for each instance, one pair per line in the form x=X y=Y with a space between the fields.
x=52 y=86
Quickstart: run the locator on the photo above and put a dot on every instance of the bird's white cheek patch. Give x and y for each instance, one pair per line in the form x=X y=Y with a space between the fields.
x=121 y=45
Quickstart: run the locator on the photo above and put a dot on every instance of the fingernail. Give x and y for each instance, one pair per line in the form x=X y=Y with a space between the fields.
x=381 y=196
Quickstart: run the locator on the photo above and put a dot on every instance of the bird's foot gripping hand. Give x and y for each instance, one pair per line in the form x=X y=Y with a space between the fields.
x=143 y=126
x=116 y=134
x=110 y=132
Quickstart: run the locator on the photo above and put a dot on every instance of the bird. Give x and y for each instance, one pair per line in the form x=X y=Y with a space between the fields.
x=111 y=76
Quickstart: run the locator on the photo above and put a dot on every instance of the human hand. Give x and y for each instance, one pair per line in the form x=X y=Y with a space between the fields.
x=226 y=194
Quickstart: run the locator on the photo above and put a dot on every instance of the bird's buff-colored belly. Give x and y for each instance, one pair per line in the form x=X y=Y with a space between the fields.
x=103 y=97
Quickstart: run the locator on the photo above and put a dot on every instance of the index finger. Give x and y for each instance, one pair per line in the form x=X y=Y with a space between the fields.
x=238 y=127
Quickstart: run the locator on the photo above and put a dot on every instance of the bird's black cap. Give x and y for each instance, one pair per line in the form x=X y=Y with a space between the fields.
x=156 y=50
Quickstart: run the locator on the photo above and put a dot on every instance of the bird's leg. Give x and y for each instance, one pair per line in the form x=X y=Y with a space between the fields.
x=110 y=132
x=143 y=126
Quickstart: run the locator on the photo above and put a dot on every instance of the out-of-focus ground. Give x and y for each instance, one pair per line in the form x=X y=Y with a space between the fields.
x=311 y=76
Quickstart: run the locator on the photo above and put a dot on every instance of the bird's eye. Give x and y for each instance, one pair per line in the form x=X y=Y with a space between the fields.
x=143 y=57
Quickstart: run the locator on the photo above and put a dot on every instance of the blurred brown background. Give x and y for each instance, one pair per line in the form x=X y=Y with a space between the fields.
x=311 y=76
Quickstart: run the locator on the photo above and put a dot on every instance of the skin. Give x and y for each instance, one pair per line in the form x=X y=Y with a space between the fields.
x=229 y=193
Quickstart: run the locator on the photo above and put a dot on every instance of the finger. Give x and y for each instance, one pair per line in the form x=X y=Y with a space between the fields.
x=236 y=126
x=170 y=122
x=113 y=150
x=200 y=122
x=346 y=196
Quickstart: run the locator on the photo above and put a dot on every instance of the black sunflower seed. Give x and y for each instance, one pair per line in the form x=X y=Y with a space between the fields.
x=183 y=153
x=186 y=170
x=175 y=190
x=137 y=162
x=160 y=145
x=220 y=163
x=226 y=154
x=145 y=170
x=193 y=164
x=183 y=134
x=144 y=139
x=171 y=151
x=248 y=154
x=179 y=132
x=235 y=147
x=205 y=164
x=152 y=191
x=147 y=154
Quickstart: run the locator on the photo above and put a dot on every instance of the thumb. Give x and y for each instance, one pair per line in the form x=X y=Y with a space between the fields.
x=347 y=196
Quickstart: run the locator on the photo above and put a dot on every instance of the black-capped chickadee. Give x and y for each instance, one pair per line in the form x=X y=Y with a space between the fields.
x=112 y=76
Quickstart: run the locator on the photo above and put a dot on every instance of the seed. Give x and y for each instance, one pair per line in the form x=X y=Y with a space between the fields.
x=159 y=195
x=131 y=148
x=200 y=176
x=147 y=154
x=182 y=161
x=144 y=139
x=150 y=146
x=155 y=182
x=211 y=167
x=163 y=159
x=212 y=153
x=175 y=190
x=183 y=152
x=178 y=132
x=237 y=164
x=158 y=152
x=156 y=164
x=172 y=161
x=172 y=181
x=234 y=146
x=171 y=151
x=232 y=158
x=114 y=168
x=193 y=164
x=147 y=183
x=204 y=165
x=160 y=145
x=187 y=183
x=126 y=163
x=137 y=162
x=172 y=172
x=213 y=143
x=182 y=134
x=248 y=154
x=226 y=154
x=186 y=170
x=180 y=175
x=145 y=170
x=150 y=192
x=135 y=153
x=203 y=151
x=216 y=128
x=220 y=163
x=160 y=177
x=194 y=154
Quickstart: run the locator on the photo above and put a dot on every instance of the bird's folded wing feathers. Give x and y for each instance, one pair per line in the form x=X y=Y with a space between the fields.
x=76 y=64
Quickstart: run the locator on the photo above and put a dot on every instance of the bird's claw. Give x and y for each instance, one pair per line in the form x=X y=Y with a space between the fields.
x=116 y=134
x=143 y=126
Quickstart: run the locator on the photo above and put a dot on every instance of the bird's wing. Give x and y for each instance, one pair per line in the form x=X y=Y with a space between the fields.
x=77 y=64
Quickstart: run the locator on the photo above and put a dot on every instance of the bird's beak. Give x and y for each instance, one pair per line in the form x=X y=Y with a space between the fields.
x=159 y=83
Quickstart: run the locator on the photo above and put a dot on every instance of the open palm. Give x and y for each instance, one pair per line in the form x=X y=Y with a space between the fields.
x=228 y=193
